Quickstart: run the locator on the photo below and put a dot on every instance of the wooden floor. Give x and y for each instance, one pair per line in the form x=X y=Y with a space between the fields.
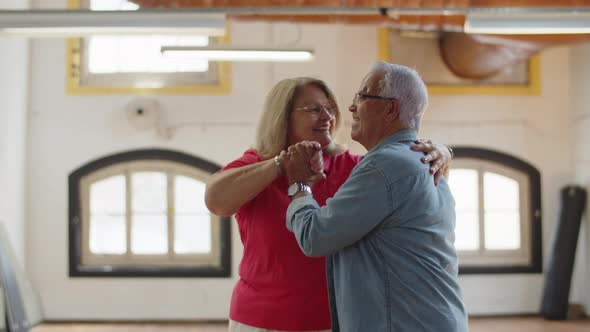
x=508 y=324
x=526 y=324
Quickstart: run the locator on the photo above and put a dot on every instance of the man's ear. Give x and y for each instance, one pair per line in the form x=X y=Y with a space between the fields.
x=393 y=112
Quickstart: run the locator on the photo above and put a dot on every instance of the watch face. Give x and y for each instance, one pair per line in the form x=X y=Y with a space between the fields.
x=293 y=189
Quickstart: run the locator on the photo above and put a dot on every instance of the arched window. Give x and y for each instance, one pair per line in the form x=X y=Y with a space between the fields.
x=498 y=206
x=142 y=213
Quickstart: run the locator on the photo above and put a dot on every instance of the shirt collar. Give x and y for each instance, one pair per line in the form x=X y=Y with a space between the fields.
x=400 y=136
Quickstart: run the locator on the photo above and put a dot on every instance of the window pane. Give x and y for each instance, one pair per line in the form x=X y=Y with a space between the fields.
x=107 y=234
x=189 y=196
x=467 y=231
x=463 y=183
x=502 y=212
x=108 y=196
x=141 y=54
x=149 y=234
x=192 y=233
x=149 y=193
x=501 y=193
x=502 y=230
x=135 y=54
x=103 y=54
x=112 y=5
x=464 y=187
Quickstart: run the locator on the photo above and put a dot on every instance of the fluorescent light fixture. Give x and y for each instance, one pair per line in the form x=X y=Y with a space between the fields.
x=535 y=23
x=78 y=23
x=237 y=54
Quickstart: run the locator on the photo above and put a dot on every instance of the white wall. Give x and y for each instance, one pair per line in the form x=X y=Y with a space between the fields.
x=67 y=131
x=14 y=88
x=580 y=70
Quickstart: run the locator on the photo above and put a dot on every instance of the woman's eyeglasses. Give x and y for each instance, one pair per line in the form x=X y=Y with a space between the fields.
x=316 y=110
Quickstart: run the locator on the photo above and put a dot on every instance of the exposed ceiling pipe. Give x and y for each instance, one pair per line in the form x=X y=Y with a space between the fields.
x=77 y=16
x=272 y=8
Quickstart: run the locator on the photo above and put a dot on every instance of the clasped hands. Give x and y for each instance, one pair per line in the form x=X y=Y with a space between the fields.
x=303 y=162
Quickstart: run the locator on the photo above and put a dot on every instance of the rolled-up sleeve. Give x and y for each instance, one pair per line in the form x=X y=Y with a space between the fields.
x=361 y=204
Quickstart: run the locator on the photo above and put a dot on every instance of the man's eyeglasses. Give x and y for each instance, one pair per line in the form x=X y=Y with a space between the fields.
x=361 y=97
x=316 y=110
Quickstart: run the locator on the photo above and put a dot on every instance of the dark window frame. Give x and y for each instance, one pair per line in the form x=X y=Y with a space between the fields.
x=77 y=269
x=536 y=215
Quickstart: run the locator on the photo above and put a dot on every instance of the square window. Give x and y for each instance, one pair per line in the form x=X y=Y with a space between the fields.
x=134 y=63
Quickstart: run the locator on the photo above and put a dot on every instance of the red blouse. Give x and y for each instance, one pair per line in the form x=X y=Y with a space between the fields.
x=279 y=287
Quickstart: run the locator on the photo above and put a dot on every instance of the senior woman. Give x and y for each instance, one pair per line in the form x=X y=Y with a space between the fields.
x=279 y=288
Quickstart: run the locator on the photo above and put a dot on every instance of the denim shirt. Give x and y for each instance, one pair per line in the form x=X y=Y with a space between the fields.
x=389 y=237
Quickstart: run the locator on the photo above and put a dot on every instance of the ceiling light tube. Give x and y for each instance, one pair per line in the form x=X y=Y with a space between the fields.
x=518 y=24
x=38 y=23
x=238 y=54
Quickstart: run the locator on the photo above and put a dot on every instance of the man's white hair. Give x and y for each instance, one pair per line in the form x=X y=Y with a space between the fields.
x=405 y=85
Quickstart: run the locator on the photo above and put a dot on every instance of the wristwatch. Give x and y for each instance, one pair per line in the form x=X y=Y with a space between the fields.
x=297 y=188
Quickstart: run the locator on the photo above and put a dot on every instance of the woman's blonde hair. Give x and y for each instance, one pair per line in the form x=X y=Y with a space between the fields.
x=273 y=128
